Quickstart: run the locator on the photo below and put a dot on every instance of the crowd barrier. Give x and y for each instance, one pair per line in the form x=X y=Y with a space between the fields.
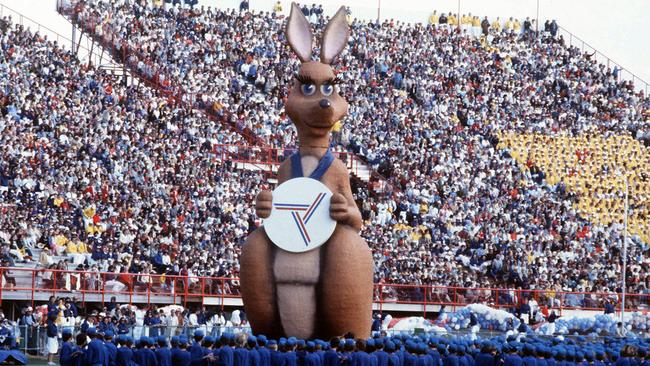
x=33 y=285
x=269 y=158
x=33 y=339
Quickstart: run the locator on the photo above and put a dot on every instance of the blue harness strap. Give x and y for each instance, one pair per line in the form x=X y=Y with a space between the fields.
x=323 y=164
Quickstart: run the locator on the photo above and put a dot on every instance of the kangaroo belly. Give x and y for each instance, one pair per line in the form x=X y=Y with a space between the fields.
x=303 y=268
x=296 y=276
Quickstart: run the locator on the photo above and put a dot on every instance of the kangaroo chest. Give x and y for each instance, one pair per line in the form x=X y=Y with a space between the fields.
x=302 y=267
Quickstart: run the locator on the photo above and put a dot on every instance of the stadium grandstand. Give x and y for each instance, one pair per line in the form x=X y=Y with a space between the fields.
x=492 y=164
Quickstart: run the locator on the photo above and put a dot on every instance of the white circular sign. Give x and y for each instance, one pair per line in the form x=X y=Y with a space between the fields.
x=300 y=218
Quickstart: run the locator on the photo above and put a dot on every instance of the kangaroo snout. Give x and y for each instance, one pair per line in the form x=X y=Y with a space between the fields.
x=324 y=103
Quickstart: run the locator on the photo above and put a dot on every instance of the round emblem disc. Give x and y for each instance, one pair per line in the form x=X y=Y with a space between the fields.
x=300 y=219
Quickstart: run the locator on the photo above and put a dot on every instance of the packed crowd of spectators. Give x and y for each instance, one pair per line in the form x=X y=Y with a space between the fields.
x=120 y=172
x=461 y=213
x=110 y=178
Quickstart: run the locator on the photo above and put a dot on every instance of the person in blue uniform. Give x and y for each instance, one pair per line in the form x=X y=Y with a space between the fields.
x=95 y=354
x=529 y=355
x=511 y=357
x=548 y=356
x=370 y=350
x=312 y=358
x=424 y=359
x=300 y=352
x=410 y=359
x=67 y=349
x=360 y=357
x=163 y=353
x=209 y=358
x=434 y=353
x=240 y=357
x=540 y=350
x=464 y=358
x=276 y=355
x=225 y=353
x=332 y=357
x=176 y=351
x=254 y=358
x=347 y=356
x=600 y=359
x=452 y=358
x=124 y=355
x=290 y=358
x=265 y=354
x=393 y=359
x=183 y=356
x=196 y=350
x=487 y=356
x=111 y=349
x=145 y=356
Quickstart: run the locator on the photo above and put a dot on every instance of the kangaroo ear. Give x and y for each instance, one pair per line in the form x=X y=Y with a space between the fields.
x=299 y=34
x=335 y=36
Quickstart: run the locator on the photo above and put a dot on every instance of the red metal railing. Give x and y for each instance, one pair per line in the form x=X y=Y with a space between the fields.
x=269 y=158
x=158 y=288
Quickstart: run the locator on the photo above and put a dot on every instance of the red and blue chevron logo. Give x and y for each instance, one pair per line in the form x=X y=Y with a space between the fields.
x=301 y=221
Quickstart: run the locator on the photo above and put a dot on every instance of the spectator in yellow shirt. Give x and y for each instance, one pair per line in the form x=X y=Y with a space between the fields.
x=433 y=18
x=510 y=25
x=277 y=7
x=453 y=19
x=496 y=25
x=517 y=26
x=476 y=26
x=336 y=132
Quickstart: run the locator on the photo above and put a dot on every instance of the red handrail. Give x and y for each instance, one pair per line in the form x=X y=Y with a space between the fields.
x=196 y=288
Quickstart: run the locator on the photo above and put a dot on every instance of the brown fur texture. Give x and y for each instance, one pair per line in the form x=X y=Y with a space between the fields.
x=327 y=291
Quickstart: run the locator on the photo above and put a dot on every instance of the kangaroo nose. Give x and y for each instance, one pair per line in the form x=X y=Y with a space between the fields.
x=324 y=103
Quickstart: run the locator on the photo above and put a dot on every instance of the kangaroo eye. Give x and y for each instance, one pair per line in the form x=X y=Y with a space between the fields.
x=326 y=89
x=308 y=89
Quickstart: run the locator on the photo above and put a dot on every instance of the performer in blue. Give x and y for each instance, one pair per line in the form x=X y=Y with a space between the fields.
x=380 y=354
x=95 y=354
x=332 y=356
x=452 y=359
x=300 y=352
x=290 y=358
x=67 y=349
x=434 y=353
x=265 y=354
x=254 y=358
x=225 y=353
x=529 y=355
x=487 y=357
x=393 y=359
x=196 y=351
x=424 y=359
x=312 y=358
x=124 y=356
x=111 y=349
x=163 y=353
x=512 y=358
x=208 y=356
x=370 y=350
x=241 y=353
x=183 y=356
x=276 y=355
x=410 y=359
x=360 y=357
